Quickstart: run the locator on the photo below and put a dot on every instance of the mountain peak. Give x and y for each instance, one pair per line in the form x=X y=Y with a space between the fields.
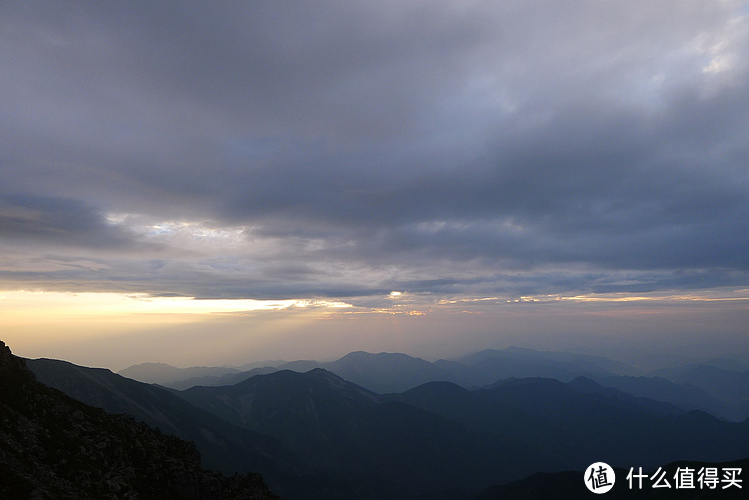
x=6 y=356
x=364 y=355
x=13 y=372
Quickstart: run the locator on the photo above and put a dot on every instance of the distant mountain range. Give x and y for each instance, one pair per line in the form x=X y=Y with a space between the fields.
x=317 y=435
x=717 y=387
x=729 y=387
x=396 y=372
x=164 y=374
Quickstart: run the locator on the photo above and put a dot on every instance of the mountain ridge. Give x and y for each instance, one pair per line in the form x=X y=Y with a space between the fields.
x=441 y=440
x=55 y=447
x=223 y=446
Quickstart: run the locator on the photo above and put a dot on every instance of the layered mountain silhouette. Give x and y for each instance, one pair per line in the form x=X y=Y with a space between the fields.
x=317 y=435
x=344 y=427
x=684 y=394
x=488 y=366
x=54 y=447
x=716 y=388
x=396 y=372
x=225 y=379
x=383 y=372
x=224 y=447
x=164 y=374
x=729 y=387
x=167 y=375
x=516 y=426
x=581 y=422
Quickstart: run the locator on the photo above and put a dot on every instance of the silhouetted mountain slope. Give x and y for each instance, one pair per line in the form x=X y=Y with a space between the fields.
x=573 y=426
x=387 y=372
x=684 y=395
x=730 y=387
x=606 y=426
x=343 y=427
x=488 y=366
x=395 y=372
x=161 y=373
x=623 y=400
x=301 y=366
x=581 y=361
x=52 y=446
x=224 y=447
x=569 y=485
x=227 y=379
x=737 y=362
x=382 y=372
x=282 y=402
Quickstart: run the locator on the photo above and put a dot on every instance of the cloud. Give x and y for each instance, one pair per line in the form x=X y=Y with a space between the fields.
x=348 y=150
x=57 y=221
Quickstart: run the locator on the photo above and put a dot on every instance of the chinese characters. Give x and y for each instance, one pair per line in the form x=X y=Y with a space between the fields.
x=688 y=478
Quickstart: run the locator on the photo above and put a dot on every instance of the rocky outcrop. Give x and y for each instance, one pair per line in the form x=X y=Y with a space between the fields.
x=54 y=447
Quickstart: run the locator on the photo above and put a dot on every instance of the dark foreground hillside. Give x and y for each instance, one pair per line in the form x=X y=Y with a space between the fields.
x=53 y=447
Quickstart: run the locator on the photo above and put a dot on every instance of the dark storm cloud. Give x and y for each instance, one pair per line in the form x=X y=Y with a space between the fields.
x=365 y=147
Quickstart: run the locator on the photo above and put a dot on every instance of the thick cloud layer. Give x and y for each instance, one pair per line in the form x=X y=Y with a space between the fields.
x=347 y=149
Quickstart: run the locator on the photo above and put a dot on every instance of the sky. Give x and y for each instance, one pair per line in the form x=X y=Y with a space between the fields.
x=223 y=182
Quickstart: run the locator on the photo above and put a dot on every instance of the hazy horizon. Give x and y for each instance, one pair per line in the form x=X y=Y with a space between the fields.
x=646 y=363
x=221 y=183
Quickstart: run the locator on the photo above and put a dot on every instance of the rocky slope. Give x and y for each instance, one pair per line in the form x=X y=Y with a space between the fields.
x=53 y=447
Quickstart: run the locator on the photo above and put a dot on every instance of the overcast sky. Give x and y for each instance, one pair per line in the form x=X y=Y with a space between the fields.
x=330 y=153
